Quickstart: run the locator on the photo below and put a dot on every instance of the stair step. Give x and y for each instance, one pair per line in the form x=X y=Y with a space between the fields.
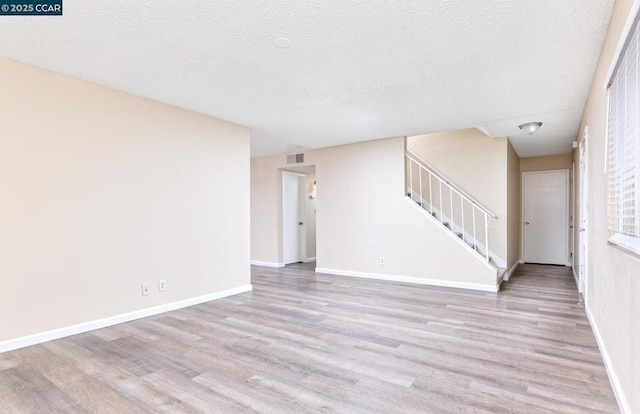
x=459 y=234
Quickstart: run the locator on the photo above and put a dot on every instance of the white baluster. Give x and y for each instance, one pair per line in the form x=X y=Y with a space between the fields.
x=420 y=168
x=464 y=198
x=475 y=238
x=451 y=207
x=486 y=236
x=411 y=178
x=430 y=194
x=440 y=181
x=462 y=213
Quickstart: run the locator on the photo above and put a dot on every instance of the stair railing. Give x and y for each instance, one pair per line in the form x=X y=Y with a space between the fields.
x=436 y=194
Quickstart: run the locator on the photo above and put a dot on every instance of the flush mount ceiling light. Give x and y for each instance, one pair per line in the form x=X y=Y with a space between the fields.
x=530 y=127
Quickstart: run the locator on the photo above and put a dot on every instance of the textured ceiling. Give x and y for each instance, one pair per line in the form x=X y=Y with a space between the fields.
x=355 y=70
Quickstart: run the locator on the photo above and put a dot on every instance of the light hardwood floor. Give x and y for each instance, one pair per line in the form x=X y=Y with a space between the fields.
x=306 y=342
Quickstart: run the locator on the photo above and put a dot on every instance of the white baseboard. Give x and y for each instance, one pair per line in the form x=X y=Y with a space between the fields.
x=266 y=264
x=410 y=279
x=575 y=276
x=39 y=338
x=508 y=273
x=309 y=260
x=623 y=403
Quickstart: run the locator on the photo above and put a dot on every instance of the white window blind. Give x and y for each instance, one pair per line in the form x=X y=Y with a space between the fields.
x=624 y=147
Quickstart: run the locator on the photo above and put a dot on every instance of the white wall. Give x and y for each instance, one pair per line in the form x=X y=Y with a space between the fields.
x=362 y=215
x=613 y=279
x=103 y=191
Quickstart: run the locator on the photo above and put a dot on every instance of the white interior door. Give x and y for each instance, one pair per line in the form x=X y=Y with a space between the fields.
x=546 y=226
x=292 y=224
x=584 y=211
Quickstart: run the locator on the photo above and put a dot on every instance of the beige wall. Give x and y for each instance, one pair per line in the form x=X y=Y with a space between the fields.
x=613 y=275
x=546 y=163
x=310 y=219
x=266 y=204
x=102 y=192
x=478 y=165
x=362 y=215
x=513 y=206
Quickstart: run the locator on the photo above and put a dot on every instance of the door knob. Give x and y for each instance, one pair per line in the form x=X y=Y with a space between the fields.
x=300 y=223
x=526 y=222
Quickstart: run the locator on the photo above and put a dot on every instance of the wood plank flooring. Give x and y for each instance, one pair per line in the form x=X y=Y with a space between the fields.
x=303 y=343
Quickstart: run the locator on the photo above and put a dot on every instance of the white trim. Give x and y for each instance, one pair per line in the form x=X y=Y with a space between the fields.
x=572 y=215
x=266 y=264
x=623 y=403
x=410 y=279
x=507 y=275
x=285 y=171
x=309 y=260
x=301 y=231
x=628 y=26
x=626 y=242
x=39 y=338
x=583 y=201
x=575 y=276
x=605 y=170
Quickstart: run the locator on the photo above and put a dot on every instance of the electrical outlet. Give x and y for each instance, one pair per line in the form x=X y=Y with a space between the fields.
x=145 y=290
x=162 y=285
x=382 y=261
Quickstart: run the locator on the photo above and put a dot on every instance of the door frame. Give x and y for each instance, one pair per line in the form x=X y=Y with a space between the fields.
x=566 y=213
x=301 y=215
x=572 y=218
x=583 y=232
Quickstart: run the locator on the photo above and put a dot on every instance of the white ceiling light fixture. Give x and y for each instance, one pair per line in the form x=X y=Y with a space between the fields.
x=530 y=127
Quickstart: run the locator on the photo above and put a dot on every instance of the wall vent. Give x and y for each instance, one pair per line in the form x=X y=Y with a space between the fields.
x=295 y=158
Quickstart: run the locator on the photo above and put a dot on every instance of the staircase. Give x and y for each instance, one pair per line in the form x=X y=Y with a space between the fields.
x=456 y=211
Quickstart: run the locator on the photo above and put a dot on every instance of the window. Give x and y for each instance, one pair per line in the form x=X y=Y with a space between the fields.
x=624 y=147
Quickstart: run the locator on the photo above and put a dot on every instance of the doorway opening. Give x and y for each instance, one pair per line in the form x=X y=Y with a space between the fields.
x=299 y=214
